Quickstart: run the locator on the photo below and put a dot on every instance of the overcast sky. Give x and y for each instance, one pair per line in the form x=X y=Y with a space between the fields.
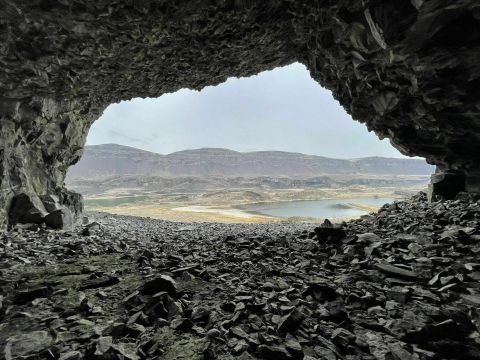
x=283 y=109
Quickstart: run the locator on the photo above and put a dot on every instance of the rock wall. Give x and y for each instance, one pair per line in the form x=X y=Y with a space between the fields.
x=409 y=70
x=40 y=139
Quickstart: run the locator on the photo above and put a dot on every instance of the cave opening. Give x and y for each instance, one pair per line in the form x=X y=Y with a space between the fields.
x=270 y=147
x=390 y=66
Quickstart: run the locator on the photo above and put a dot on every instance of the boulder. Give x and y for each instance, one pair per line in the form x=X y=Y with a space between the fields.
x=26 y=209
x=158 y=284
x=290 y=322
x=73 y=201
x=472 y=182
x=60 y=219
x=51 y=202
x=329 y=233
x=445 y=185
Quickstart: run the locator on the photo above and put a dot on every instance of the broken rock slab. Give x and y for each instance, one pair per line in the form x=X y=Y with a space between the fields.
x=51 y=202
x=60 y=219
x=27 y=209
x=24 y=345
x=329 y=233
x=45 y=209
x=396 y=271
x=25 y=296
x=158 y=284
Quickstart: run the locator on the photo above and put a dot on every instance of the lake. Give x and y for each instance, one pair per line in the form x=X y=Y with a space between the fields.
x=327 y=208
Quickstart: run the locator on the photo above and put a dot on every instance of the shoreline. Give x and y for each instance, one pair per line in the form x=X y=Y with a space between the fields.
x=214 y=210
x=233 y=214
x=187 y=214
x=236 y=206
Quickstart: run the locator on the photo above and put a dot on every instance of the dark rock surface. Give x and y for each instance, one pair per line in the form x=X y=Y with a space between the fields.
x=46 y=209
x=446 y=185
x=401 y=284
x=409 y=70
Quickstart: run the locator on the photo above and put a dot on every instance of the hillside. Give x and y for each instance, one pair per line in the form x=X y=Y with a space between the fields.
x=113 y=159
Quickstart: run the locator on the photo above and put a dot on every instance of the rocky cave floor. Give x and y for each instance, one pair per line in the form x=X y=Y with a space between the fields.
x=401 y=284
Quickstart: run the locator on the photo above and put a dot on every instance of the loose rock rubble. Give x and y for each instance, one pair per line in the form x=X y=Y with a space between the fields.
x=402 y=284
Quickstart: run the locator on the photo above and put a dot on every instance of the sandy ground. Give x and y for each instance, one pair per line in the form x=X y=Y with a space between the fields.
x=225 y=212
x=222 y=206
x=190 y=214
x=196 y=213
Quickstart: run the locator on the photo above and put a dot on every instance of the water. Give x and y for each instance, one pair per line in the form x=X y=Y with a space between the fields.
x=327 y=208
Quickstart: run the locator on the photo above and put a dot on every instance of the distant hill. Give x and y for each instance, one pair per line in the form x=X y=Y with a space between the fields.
x=113 y=159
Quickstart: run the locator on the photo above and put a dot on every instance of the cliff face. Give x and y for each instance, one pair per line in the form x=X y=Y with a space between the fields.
x=408 y=70
x=112 y=159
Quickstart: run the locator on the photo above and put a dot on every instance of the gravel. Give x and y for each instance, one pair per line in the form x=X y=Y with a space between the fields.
x=399 y=284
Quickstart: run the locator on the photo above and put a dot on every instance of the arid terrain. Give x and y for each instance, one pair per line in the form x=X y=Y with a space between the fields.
x=230 y=205
x=217 y=184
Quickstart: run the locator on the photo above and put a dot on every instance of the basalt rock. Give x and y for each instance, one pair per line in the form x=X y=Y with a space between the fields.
x=327 y=233
x=26 y=208
x=45 y=209
x=60 y=219
x=445 y=185
x=409 y=70
x=236 y=291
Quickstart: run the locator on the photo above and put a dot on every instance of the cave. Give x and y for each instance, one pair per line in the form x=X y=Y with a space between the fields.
x=402 y=283
x=408 y=70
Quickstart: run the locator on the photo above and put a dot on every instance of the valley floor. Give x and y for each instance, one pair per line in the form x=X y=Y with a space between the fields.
x=403 y=284
x=231 y=206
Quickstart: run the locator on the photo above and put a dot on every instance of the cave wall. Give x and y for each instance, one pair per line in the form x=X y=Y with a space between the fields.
x=35 y=154
x=409 y=70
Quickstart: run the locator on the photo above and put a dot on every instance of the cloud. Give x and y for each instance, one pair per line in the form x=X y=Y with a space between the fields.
x=120 y=136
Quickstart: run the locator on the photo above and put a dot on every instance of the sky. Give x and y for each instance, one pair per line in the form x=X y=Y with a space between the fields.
x=283 y=109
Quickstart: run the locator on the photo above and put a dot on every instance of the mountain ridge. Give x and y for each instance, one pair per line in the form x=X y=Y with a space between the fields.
x=119 y=146
x=115 y=159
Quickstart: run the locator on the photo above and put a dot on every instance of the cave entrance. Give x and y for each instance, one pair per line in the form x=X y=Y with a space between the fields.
x=270 y=147
x=395 y=66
